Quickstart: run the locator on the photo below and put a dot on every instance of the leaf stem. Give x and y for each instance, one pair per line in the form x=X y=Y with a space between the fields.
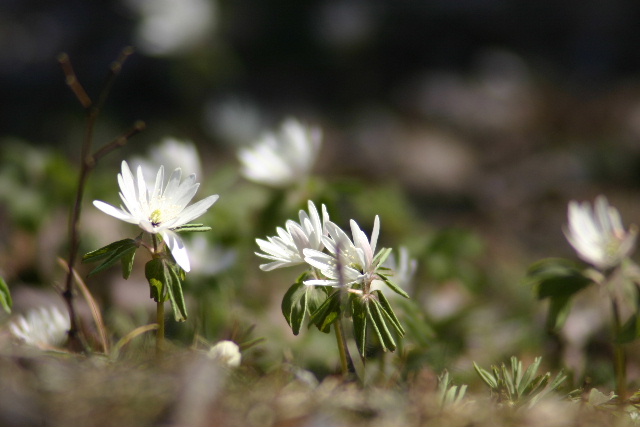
x=619 y=353
x=160 y=330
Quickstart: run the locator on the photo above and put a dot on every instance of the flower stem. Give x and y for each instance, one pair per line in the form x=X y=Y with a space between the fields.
x=346 y=364
x=160 y=330
x=619 y=354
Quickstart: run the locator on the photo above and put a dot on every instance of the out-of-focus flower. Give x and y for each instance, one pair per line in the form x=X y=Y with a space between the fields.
x=208 y=259
x=171 y=153
x=356 y=258
x=43 y=327
x=401 y=270
x=158 y=210
x=227 y=353
x=287 y=248
x=170 y=27
x=597 y=234
x=282 y=159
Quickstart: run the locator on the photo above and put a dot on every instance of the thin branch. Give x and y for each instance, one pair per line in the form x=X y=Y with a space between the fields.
x=120 y=141
x=88 y=162
x=72 y=81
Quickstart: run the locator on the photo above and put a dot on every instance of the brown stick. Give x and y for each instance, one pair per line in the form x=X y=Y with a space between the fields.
x=88 y=162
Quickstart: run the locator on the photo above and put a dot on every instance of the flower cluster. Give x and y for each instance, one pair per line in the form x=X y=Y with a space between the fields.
x=343 y=277
x=351 y=262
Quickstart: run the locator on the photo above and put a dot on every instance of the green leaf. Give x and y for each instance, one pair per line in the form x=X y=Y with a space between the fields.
x=359 y=316
x=106 y=251
x=5 y=296
x=174 y=285
x=192 y=228
x=374 y=313
x=559 y=309
x=381 y=256
x=127 y=264
x=124 y=251
x=327 y=313
x=295 y=304
x=486 y=376
x=155 y=273
x=395 y=288
x=555 y=277
x=388 y=312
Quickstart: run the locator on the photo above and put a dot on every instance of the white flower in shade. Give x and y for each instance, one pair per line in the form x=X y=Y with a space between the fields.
x=43 y=327
x=597 y=234
x=286 y=249
x=227 y=353
x=283 y=159
x=356 y=257
x=171 y=153
x=159 y=210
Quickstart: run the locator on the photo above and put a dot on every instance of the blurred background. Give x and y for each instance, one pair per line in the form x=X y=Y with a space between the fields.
x=466 y=125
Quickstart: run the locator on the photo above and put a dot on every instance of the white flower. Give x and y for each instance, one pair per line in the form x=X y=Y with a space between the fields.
x=227 y=353
x=356 y=258
x=171 y=153
x=158 y=210
x=598 y=235
x=170 y=27
x=287 y=248
x=43 y=327
x=281 y=160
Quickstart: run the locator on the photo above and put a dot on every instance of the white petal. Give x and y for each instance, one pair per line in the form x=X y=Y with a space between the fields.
x=114 y=212
x=177 y=248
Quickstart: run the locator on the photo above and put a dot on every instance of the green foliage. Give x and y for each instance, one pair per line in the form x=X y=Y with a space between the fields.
x=192 y=228
x=165 y=281
x=558 y=280
x=516 y=387
x=5 y=296
x=374 y=313
x=449 y=394
x=299 y=300
x=122 y=250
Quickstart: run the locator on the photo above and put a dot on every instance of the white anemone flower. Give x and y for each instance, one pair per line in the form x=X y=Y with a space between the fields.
x=356 y=257
x=598 y=235
x=43 y=327
x=157 y=210
x=287 y=248
x=283 y=159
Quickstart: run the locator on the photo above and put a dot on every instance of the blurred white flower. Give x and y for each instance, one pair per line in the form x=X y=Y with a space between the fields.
x=171 y=153
x=227 y=353
x=356 y=258
x=287 y=248
x=598 y=235
x=42 y=327
x=173 y=26
x=208 y=259
x=158 y=210
x=401 y=269
x=282 y=159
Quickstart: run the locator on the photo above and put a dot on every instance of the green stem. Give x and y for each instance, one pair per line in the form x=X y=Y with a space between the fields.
x=160 y=330
x=620 y=357
x=346 y=363
x=341 y=347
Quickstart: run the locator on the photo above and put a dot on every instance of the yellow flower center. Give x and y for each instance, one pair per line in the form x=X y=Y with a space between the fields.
x=155 y=217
